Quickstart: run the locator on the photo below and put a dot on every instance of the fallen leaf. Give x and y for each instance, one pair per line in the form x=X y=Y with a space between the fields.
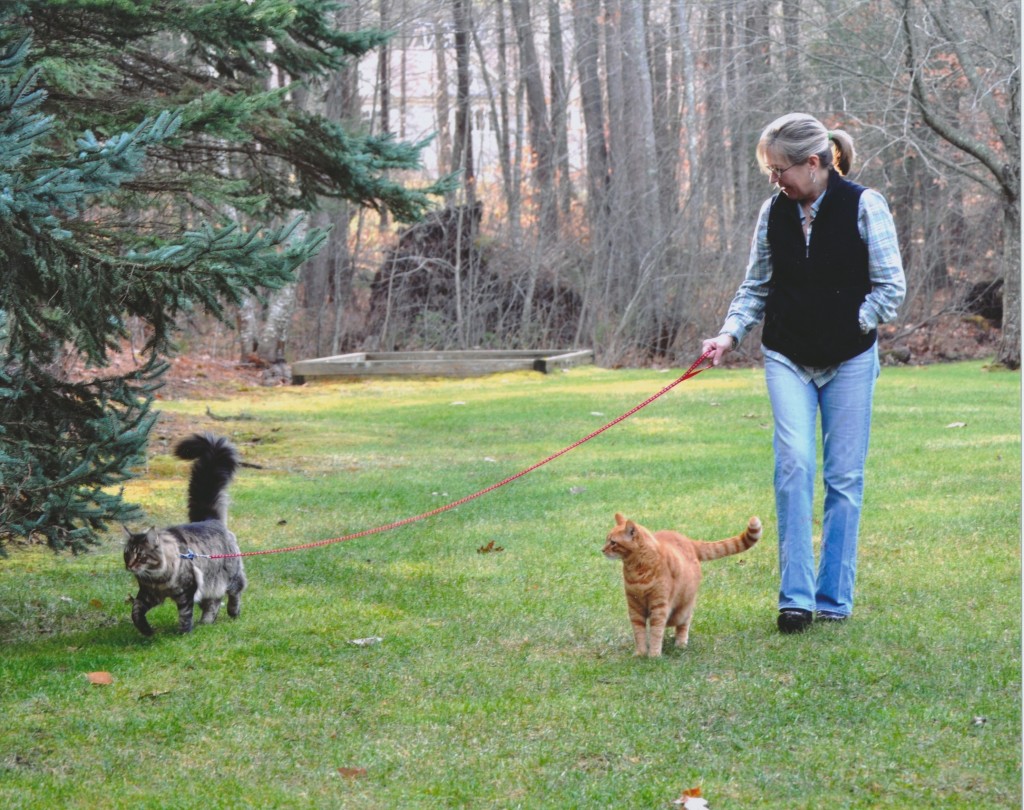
x=352 y=773
x=100 y=678
x=957 y=425
x=96 y=603
x=577 y=490
x=489 y=548
x=154 y=695
x=691 y=800
x=365 y=642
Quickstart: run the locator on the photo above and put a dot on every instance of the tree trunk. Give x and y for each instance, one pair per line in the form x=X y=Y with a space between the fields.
x=442 y=110
x=585 y=13
x=541 y=141
x=691 y=123
x=498 y=101
x=559 y=108
x=463 y=153
x=384 y=87
x=513 y=190
x=1009 y=346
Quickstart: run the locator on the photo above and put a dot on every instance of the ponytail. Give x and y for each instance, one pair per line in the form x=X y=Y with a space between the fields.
x=842 y=150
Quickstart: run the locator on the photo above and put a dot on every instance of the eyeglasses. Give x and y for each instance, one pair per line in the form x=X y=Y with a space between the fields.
x=777 y=173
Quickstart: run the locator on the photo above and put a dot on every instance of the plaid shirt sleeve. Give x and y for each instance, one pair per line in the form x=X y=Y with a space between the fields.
x=748 y=305
x=885 y=266
x=885 y=270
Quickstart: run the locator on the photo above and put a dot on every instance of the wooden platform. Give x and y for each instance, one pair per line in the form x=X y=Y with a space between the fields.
x=438 y=364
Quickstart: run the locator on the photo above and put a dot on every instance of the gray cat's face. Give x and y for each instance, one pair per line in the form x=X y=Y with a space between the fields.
x=141 y=551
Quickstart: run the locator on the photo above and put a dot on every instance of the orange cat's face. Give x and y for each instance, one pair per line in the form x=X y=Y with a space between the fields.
x=622 y=540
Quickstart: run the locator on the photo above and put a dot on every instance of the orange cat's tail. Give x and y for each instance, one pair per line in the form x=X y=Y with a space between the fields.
x=732 y=545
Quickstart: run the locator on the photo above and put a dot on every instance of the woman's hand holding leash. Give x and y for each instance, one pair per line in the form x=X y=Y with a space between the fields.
x=720 y=345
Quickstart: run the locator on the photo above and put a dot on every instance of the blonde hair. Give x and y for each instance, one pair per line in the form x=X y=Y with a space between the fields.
x=797 y=136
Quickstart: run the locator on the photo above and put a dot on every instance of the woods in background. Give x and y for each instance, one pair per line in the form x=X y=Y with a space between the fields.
x=610 y=145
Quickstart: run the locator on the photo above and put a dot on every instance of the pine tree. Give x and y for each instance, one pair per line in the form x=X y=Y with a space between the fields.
x=65 y=445
x=243 y=147
x=129 y=189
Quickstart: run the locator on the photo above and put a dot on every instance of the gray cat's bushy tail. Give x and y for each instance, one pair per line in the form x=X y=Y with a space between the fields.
x=214 y=461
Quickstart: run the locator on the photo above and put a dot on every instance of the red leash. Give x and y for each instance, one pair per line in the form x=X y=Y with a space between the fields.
x=692 y=371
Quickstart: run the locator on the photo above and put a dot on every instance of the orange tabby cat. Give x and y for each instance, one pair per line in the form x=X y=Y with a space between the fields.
x=661 y=571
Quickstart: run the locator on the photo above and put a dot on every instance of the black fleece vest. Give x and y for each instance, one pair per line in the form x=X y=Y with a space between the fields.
x=816 y=291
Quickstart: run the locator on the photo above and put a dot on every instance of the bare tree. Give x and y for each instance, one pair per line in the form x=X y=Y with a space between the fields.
x=327 y=280
x=559 y=107
x=585 y=15
x=541 y=140
x=442 y=98
x=497 y=98
x=384 y=89
x=981 y=122
x=463 y=156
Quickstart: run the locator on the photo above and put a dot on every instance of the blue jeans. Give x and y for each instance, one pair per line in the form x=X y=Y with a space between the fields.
x=845 y=405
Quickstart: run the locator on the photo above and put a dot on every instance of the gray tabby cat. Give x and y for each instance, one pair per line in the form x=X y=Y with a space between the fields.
x=155 y=557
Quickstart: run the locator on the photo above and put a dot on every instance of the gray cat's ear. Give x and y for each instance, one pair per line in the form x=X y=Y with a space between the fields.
x=127 y=532
x=152 y=533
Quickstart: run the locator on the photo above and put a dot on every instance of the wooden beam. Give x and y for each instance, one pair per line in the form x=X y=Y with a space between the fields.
x=462 y=363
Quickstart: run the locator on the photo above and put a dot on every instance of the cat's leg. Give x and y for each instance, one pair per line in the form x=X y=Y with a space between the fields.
x=210 y=608
x=234 y=605
x=235 y=589
x=141 y=605
x=638 y=618
x=639 y=635
x=186 y=606
x=685 y=617
x=656 y=634
x=657 y=638
x=637 y=610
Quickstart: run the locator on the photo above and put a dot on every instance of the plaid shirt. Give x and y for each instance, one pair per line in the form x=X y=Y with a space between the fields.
x=885 y=270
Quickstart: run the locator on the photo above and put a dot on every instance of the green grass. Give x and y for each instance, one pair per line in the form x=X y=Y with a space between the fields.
x=507 y=679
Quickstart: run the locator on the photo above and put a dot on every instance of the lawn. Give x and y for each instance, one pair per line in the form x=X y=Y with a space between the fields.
x=506 y=679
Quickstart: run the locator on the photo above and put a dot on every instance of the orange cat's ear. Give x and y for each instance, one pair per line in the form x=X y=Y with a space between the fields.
x=631 y=528
x=619 y=519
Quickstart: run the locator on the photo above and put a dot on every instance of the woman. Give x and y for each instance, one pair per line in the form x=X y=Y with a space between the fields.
x=824 y=271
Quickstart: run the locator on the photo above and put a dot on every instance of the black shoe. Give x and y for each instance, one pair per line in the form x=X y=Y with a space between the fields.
x=830 y=617
x=794 y=620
